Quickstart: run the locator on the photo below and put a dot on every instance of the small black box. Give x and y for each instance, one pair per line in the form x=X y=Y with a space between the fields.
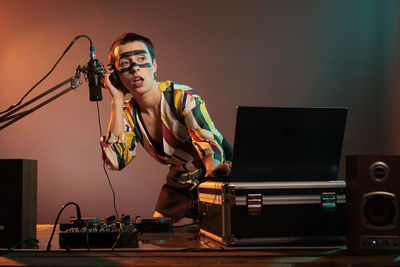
x=255 y=213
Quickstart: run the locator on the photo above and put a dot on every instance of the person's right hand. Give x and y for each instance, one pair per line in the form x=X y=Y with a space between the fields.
x=116 y=94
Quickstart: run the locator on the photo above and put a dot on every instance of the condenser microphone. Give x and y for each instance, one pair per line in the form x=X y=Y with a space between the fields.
x=94 y=76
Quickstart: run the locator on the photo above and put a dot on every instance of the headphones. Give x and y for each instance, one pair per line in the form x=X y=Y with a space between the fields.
x=116 y=81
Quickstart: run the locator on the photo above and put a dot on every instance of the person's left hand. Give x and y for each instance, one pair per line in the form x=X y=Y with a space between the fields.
x=221 y=170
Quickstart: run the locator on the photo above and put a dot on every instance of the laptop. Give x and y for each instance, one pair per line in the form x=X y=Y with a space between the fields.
x=287 y=143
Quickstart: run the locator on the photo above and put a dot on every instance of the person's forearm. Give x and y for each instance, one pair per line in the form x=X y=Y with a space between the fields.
x=116 y=124
x=210 y=164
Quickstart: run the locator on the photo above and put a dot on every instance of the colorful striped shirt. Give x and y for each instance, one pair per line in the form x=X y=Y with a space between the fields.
x=188 y=133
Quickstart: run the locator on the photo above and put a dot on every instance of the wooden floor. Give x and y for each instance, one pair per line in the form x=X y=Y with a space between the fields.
x=186 y=247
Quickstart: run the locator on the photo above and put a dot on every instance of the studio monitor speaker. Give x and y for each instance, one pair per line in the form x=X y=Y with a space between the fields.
x=372 y=204
x=18 y=186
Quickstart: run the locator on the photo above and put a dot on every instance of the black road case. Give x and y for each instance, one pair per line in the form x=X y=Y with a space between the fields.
x=255 y=213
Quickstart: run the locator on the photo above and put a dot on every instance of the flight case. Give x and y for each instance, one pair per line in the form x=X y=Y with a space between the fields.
x=255 y=213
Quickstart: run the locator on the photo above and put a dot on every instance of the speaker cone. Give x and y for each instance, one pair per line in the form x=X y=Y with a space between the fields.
x=379 y=211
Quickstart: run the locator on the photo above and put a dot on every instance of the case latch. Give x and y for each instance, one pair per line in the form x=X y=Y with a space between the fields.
x=254 y=204
x=328 y=200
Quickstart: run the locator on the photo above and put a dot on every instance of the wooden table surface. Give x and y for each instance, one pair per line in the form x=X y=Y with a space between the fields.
x=186 y=247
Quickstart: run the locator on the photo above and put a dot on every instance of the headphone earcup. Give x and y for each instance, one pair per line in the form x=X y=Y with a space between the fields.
x=116 y=81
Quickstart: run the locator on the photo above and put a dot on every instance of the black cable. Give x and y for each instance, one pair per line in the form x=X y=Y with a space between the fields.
x=58 y=216
x=104 y=164
x=66 y=248
x=98 y=118
x=116 y=240
x=18 y=244
x=51 y=70
x=87 y=241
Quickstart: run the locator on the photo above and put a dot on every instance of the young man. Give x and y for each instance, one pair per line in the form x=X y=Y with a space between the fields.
x=169 y=120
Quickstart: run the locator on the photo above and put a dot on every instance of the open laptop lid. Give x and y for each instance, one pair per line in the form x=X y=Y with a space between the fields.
x=287 y=143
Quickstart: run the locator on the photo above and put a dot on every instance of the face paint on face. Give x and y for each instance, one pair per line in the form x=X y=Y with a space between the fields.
x=143 y=57
x=132 y=53
x=144 y=65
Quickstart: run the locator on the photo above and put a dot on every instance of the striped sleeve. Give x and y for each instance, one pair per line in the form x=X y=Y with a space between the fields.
x=206 y=138
x=119 y=150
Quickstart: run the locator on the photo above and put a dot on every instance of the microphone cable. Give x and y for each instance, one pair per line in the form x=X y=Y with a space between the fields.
x=51 y=70
x=104 y=164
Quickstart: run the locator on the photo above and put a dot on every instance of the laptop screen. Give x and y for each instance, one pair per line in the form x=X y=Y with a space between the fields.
x=287 y=143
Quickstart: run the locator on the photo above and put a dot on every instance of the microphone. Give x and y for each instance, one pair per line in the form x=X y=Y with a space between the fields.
x=94 y=76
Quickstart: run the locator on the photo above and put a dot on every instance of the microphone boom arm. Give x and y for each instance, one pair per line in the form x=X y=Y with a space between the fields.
x=12 y=118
